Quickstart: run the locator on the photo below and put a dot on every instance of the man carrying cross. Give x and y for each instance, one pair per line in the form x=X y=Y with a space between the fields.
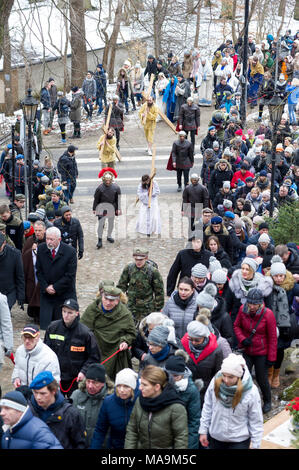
x=107 y=147
x=148 y=114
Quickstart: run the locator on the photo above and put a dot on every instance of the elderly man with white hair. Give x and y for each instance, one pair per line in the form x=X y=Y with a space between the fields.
x=56 y=267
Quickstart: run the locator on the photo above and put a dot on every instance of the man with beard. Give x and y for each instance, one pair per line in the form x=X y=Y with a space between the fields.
x=148 y=114
x=56 y=267
x=71 y=230
x=106 y=204
x=106 y=146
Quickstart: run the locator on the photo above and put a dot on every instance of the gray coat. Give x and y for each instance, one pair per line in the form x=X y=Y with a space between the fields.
x=6 y=329
x=75 y=113
x=89 y=88
x=180 y=317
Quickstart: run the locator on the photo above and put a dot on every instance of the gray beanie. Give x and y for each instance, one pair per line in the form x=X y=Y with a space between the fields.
x=255 y=296
x=219 y=276
x=199 y=270
x=277 y=266
x=227 y=203
x=196 y=329
x=226 y=184
x=214 y=264
x=206 y=298
x=251 y=262
x=159 y=335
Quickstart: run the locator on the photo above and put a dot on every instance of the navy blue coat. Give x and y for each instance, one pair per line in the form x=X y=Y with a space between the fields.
x=114 y=414
x=30 y=433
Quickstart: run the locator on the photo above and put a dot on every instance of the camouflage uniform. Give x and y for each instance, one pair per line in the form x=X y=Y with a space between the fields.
x=144 y=288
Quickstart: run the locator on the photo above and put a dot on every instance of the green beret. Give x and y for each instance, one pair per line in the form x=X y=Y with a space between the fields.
x=112 y=292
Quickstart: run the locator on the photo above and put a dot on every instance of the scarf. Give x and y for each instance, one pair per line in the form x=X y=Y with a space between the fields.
x=226 y=394
x=161 y=355
x=197 y=350
x=181 y=385
x=182 y=303
x=280 y=306
x=245 y=285
x=168 y=397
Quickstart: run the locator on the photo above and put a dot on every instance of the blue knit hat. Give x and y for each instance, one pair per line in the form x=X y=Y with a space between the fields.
x=216 y=220
x=42 y=379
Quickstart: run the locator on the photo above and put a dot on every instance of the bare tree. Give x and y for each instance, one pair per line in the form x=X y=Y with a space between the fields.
x=78 y=42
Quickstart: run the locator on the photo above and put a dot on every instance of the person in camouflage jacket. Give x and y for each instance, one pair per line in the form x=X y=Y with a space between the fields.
x=143 y=284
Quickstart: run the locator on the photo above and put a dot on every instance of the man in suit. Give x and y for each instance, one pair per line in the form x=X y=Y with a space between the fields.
x=56 y=267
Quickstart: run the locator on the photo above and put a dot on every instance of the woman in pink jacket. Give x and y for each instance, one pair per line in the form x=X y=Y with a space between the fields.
x=255 y=329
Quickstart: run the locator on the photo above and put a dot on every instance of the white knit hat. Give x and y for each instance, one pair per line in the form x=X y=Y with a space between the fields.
x=219 y=276
x=214 y=264
x=126 y=377
x=233 y=364
x=206 y=298
x=264 y=238
x=196 y=329
x=277 y=266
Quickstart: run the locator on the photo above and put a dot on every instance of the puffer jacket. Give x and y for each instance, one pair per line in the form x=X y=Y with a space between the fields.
x=30 y=363
x=180 y=316
x=114 y=416
x=29 y=433
x=264 y=341
x=207 y=364
x=160 y=426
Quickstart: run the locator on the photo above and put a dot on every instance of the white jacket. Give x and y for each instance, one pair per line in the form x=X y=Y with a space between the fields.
x=6 y=329
x=228 y=425
x=30 y=363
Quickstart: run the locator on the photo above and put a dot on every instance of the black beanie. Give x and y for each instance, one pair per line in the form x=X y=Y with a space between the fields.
x=175 y=365
x=96 y=372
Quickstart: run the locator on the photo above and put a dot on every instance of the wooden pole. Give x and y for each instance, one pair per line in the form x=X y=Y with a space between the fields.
x=153 y=172
x=168 y=122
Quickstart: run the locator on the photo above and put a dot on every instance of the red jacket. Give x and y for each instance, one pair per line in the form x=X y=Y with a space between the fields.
x=210 y=347
x=238 y=175
x=264 y=341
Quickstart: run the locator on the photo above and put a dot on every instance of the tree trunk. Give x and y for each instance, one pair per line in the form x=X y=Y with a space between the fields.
x=78 y=44
x=5 y=10
x=113 y=39
x=234 y=9
x=196 y=37
x=281 y=12
x=7 y=72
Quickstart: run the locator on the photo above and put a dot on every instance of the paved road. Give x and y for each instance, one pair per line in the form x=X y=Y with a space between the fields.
x=135 y=163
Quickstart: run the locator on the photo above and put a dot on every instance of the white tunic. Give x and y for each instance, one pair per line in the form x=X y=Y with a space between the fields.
x=148 y=221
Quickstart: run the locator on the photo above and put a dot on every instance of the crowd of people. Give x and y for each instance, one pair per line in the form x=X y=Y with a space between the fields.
x=148 y=364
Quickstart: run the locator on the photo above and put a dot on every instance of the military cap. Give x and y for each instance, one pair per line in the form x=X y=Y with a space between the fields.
x=42 y=380
x=106 y=282
x=112 y=292
x=139 y=253
x=20 y=197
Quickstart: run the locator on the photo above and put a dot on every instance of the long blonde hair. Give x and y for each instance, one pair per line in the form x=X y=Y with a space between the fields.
x=238 y=393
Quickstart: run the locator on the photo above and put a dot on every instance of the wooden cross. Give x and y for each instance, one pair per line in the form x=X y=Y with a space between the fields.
x=168 y=122
x=153 y=173
x=147 y=94
x=105 y=129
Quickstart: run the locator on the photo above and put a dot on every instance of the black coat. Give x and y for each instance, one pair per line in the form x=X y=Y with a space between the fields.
x=12 y=283
x=183 y=263
x=64 y=420
x=217 y=178
x=292 y=264
x=71 y=233
x=266 y=255
x=182 y=154
x=193 y=195
x=61 y=272
x=222 y=321
x=67 y=167
x=76 y=347
x=189 y=117
x=117 y=116
x=223 y=258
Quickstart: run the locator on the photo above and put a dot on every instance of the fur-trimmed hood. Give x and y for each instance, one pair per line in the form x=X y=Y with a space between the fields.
x=223 y=160
x=289 y=281
x=209 y=232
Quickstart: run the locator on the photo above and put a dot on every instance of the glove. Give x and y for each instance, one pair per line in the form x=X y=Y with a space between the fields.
x=21 y=304
x=247 y=342
x=80 y=255
x=270 y=363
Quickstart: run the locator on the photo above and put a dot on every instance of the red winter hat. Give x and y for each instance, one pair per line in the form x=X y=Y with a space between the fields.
x=239 y=132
